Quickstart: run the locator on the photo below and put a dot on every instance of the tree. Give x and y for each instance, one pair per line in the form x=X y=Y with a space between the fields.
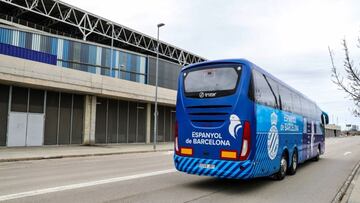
x=350 y=82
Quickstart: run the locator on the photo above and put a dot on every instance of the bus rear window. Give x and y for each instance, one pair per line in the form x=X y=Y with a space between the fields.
x=211 y=82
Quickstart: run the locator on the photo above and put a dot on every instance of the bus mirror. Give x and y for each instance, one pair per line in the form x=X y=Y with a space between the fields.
x=324 y=118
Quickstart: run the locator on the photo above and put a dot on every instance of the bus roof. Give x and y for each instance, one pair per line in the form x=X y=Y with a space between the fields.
x=250 y=64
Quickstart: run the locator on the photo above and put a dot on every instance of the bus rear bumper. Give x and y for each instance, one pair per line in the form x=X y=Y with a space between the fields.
x=215 y=168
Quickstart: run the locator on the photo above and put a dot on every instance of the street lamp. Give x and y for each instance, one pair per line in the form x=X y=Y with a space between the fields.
x=156 y=85
x=112 y=47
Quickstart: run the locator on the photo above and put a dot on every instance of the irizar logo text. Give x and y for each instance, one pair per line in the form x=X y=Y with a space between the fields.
x=273 y=137
x=207 y=94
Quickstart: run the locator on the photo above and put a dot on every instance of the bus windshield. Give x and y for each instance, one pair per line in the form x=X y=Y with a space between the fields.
x=220 y=81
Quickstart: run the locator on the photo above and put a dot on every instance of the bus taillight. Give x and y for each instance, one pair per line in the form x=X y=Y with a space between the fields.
x=176 y=138
x=246 y=141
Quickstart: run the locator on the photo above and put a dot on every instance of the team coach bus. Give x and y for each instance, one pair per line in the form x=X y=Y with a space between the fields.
x=235 y=120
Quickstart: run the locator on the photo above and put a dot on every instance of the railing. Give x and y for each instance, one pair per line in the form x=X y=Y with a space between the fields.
x=104 y=70
x=81 y=21
x=35 y=26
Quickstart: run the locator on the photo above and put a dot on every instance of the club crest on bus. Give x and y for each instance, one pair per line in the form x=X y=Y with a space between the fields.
x=235 y=125
x=273 y=138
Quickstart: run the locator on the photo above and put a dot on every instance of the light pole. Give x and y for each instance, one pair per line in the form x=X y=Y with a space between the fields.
x=156 y=85
x=112 y=47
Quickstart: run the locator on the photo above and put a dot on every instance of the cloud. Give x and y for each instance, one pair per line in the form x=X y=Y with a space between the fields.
x=287 y=38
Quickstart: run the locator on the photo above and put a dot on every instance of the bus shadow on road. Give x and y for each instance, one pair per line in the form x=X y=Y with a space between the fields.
x=230 y=185
x=236 y=186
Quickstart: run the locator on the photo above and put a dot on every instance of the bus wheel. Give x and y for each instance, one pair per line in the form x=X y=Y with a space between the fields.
x=294 y=164
x=318 y=154
x=283 y=168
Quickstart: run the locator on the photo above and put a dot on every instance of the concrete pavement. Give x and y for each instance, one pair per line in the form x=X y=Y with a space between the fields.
x=354 y=196
x=51 y=152
x=150 y=177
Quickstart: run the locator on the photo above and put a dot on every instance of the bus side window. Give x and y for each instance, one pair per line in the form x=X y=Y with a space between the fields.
x=286 y=99
x=305 y=107
x=280 y=102
x=251 y=93
x=275 y=90
x=296 y=103
x=315 y=111
x=263 y=93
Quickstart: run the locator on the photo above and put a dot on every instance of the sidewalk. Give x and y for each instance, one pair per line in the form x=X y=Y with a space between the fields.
x=52 y=152
x=355 y=193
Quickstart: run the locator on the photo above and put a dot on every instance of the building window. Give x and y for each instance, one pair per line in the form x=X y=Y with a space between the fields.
x=82 y=56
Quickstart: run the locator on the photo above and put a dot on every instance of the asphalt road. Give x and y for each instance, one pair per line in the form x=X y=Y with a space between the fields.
x=150 y=177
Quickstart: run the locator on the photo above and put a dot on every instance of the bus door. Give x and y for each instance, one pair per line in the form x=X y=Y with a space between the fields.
x=312 y=138
x=307 y=139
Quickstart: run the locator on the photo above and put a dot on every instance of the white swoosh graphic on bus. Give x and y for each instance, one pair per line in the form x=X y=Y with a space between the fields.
x=235 y=125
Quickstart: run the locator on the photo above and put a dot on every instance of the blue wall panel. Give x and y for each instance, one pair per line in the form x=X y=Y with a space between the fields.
x=92 y=58
x=66 y=53
x=128 y=66
x=22 y=38
x=138 y=69
x=24 y=53
x=5 y=36
x=54 y=46
x=72 y=54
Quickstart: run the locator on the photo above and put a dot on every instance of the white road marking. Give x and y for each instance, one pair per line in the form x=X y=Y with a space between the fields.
x=169 y=152
x=8 y=177
x=347 y=153
x=82 y=185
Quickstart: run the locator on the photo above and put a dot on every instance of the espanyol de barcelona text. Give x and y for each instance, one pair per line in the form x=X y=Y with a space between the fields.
x=208 y=138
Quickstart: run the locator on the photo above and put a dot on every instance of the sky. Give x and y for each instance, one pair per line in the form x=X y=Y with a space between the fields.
x=289 y=39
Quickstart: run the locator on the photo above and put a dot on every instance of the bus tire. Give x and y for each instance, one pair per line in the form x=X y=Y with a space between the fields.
x=317 y=158
x=294 y=163
x=280 y=175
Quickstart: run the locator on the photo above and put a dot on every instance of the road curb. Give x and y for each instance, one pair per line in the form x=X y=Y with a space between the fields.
x=345 y=187
x=78 y=155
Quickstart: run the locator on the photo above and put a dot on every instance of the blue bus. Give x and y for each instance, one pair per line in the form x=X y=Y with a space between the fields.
x=235 y=120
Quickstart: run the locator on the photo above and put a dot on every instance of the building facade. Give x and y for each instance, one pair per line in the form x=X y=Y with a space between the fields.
x=62 y=82
x=332 y=130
